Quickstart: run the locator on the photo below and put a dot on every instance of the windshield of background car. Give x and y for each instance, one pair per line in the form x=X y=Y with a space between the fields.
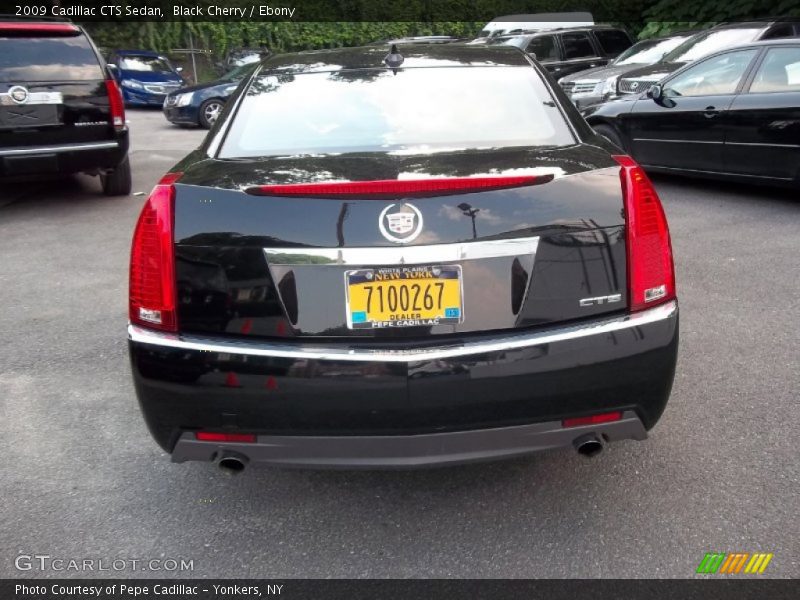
x=238 y=73
x=149 y=64
x=649 y=52
x=704 y=44
x=416 y=110
x=48 y=59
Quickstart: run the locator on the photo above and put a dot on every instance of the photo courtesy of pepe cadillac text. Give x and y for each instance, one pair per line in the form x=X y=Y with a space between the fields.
x=114 y=591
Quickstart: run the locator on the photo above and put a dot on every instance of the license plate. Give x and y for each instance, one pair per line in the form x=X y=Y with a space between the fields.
x=411 y=296
x=35 y=115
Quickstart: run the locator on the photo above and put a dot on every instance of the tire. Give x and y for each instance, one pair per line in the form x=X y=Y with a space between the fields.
x=209 y=112
x=118 y=181
x=610 y=134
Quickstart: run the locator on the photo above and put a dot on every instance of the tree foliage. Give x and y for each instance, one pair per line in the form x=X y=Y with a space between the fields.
x=672 y=15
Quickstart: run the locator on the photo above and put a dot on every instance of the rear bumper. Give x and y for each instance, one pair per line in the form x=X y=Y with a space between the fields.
x=362 y=405
x=407 y=451
x=63 y=158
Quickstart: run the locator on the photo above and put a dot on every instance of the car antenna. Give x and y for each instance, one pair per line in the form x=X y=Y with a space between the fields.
x=394 y=59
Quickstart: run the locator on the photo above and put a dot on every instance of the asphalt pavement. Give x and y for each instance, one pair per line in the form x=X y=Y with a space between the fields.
x=82 y=479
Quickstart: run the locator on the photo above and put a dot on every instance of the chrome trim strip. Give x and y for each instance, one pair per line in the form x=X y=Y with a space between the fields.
x=50 y=149
x=402 y=255
x=676 y=141
x=33 y=99
x=308 y=350
x=729 y=174
x=727 y=143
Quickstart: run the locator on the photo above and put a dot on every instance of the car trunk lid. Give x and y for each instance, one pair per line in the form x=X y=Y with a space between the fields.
x=539 y=240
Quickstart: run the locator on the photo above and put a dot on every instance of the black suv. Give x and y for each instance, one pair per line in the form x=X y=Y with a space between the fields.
x=60 y=110
x=570 y=50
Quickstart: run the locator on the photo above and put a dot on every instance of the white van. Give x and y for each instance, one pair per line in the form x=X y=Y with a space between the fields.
x=514 y=24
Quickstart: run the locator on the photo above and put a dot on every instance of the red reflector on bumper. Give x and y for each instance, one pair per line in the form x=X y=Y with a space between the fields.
x=593 y=419
x=384 y=188
x=211 y=436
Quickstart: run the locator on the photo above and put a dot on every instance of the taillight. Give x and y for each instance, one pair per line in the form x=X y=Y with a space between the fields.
x=651 y=273
x=152 y=275
x=389 y=188
x=116 y=104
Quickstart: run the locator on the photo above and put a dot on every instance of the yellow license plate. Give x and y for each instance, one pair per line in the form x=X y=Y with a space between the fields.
x=410 y=296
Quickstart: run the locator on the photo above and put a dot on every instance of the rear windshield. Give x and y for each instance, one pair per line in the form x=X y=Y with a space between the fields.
x=48 y=59
x=413 y=110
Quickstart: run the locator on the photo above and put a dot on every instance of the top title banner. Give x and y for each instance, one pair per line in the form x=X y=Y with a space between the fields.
x=316 y=10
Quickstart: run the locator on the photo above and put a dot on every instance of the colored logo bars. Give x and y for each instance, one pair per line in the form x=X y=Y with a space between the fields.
x=741 y=562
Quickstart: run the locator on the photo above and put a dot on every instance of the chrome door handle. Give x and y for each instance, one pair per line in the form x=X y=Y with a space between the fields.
x=710 y=112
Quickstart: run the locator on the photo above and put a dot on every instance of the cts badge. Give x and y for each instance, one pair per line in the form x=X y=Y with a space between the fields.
x=600 y=300
x=402 y=224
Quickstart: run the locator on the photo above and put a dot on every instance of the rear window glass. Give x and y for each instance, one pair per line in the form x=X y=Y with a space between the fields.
x=544 y=48
x=48 y=59
x=576 y=45
x=613 y=41
x=414 y=111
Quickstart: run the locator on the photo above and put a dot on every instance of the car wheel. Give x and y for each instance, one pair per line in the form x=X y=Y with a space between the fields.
x=610 y=134
x=118 y=181
x=209 y=112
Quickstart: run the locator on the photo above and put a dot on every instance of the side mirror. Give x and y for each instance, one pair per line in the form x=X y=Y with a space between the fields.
x=179 y=69
x=655 y=92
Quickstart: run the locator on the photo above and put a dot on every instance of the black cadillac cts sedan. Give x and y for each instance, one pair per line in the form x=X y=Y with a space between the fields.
x=417 y=258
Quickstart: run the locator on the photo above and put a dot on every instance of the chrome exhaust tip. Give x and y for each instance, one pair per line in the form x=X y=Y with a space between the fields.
x=232 y=463
x=589 y=445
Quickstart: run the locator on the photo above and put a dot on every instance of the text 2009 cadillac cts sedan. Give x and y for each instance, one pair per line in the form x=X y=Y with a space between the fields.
x=400 y=260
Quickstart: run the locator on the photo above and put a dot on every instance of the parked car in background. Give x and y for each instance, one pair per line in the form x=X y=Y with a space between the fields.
x=202 y=104
x=391 y=287
x=417 y=39
x=145 y=77
x=574 y=49
x=516 y=24
x=704 y=43
x=734 y=114
x=600 y=84
x=61 y=111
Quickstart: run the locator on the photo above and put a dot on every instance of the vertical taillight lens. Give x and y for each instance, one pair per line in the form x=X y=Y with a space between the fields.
x=651 y=273
x=116 y=104
x=152 y=275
